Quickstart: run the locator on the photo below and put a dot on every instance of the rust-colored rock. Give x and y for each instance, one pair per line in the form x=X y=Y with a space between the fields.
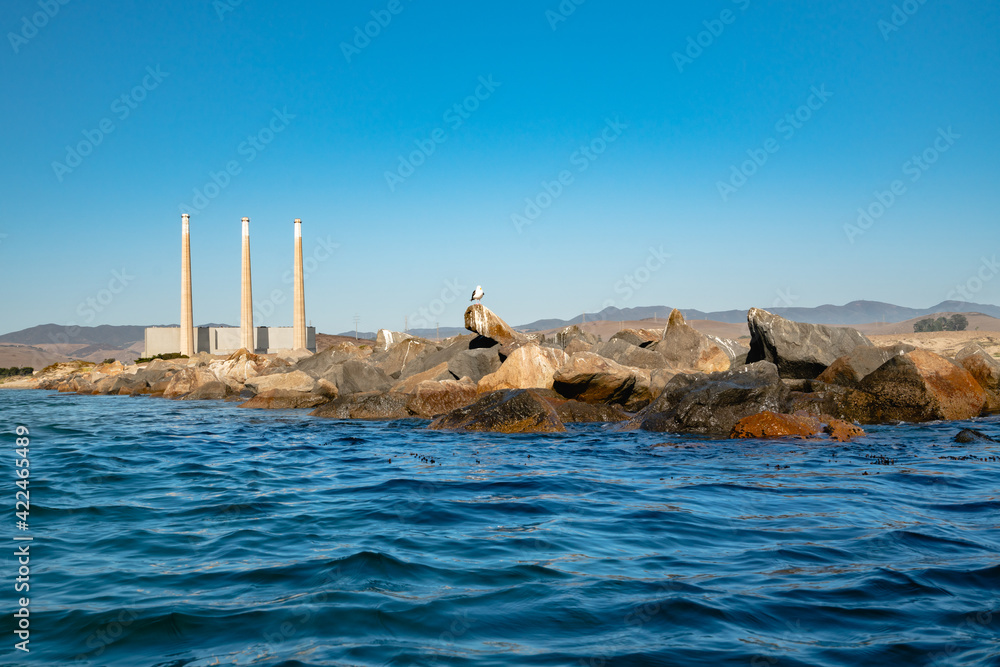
x=769 y=424
x=842 y=431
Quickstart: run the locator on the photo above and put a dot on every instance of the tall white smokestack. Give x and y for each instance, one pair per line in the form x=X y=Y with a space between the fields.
x=246 y=312
x=299 y=339
x=187 y=317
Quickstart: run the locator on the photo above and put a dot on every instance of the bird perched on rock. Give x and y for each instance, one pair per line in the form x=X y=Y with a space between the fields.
x=478 y=293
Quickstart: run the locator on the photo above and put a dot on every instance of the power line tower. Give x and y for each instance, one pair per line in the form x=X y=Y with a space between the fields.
x=356 y=319
x=437 y=327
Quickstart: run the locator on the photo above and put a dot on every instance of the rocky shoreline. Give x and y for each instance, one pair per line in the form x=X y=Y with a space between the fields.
x=795 y=380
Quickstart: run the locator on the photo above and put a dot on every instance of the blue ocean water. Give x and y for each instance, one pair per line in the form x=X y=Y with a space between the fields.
x=197 y=533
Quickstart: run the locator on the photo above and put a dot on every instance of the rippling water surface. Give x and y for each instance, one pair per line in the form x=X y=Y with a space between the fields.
x=196 y=533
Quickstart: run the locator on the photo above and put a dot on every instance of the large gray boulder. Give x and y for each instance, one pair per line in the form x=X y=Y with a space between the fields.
x=395 y=360
x=626 y=354
x=474 y=364
x=713 y=404
x=685 y=348
x=799 y=350
x=356 y=376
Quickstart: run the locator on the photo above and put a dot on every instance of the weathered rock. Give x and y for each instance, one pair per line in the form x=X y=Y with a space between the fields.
x=576 y=346
x=354 y=377
x=506 y=411
x=970 y=435
x=369 y=405
x=799 y=350
x=294 y=381
x=915 y=387
x=687 y=349
x=985 y=369
x=435 y=374
x=212 y=390
x=842 y=431
x=292 y=357
x=385 y=339
x=530 y=366
x=431 y=399
x=395 y=360
x=590 y=378
x=474 y=364
x=769 y=424
x=322 y=364
x=712 y=404
x=571 y=411
x=849 y=370
x=627 y=354
x=637 y=337
x=188 y=380
x=485 y=322
x=448 y=351
x=572 y=333
x=284 y=399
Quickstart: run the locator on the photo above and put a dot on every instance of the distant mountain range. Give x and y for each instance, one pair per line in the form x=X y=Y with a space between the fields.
x=851 y=314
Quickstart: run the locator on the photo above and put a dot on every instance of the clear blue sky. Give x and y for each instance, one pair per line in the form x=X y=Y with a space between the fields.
x=331 y=113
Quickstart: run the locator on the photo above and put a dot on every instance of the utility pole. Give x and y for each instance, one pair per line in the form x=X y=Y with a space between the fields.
x=437 y=326
x=356 y=318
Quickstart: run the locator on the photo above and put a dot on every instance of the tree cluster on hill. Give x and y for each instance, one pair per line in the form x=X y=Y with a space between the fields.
x=14 y=371
x=953 y=323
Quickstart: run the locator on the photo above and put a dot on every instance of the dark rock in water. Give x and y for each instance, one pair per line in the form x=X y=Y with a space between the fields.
x=799 y=350
x=474 y=363
x=368 y=405
x=571 y=411
x=687 y=349
x=627 y=354
x=969 y=435
x=713 y=404
x=284 y=399
x=849 y=370
x=210 y=391
x=985 y=369
x=916 y=387
x=504 y=411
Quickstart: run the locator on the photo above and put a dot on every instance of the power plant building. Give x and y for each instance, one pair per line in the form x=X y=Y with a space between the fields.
x=188 y=340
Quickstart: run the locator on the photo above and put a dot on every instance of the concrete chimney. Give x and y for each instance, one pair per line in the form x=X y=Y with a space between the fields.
x=299 y=338
x=187 y=317
x=246 y=311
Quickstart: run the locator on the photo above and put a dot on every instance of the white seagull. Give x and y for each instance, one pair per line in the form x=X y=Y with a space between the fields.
x=478 y=294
